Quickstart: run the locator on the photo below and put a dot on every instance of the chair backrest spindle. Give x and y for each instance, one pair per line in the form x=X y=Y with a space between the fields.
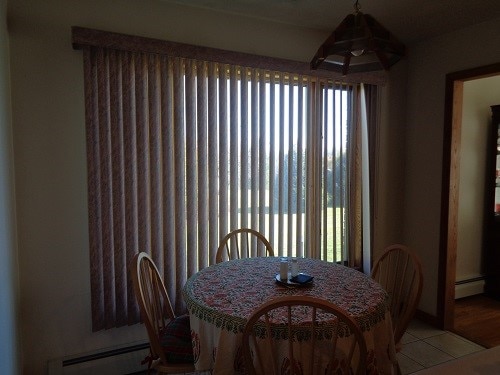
x=399 y=271
x=316 y=336
x=243 y=243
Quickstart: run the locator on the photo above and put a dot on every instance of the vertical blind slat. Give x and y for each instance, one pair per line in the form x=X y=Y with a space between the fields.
x=106 y=187
x=326 y=150
x=337 y=174
x=341 y=174
x=180 y=183
x=254 y=147
x=93 y=171
x=353 y=195
x=168 y=175
x=309 y=194
x=116 y=130
x=142 y=129
x=300 y=152
x=337 y=95
x=130 y=175
x=314 y=236
x=203 y=256
x=244 y=147
x=154 y=176
x=191 y=166
x=213 y=162
x=281 y=157
x=223 y=152
x=233 y=149
x=290 y=174
x=272 y=156
x=262 y=159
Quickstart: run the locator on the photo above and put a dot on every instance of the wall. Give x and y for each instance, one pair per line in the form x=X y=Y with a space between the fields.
x=50 y=154
x=389 y=177
x=8 y=263
x=478 y=96
x=429 y=62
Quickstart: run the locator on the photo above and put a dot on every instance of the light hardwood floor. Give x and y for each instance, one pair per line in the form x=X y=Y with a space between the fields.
x=477 y=318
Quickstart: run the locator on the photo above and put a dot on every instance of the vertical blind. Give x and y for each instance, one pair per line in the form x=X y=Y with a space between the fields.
x=182 y=151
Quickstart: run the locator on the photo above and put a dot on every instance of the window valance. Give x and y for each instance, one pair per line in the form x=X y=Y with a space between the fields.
x=82 y=37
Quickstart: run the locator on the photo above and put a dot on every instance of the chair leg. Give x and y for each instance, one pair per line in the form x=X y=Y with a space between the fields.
x=398 y=369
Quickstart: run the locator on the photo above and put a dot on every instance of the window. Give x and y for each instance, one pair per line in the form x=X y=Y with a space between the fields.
x=182 y=150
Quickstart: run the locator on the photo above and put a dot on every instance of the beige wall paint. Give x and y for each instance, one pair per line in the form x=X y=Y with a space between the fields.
x=8 y=253
x=389 y=177
x=429 y=62
x=478 y=96
x=50 y=159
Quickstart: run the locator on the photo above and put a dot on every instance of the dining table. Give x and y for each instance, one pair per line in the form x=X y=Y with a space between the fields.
x=220 y=299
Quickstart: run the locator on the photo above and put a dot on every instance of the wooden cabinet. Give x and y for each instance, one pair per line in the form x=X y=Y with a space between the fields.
x=492 y=209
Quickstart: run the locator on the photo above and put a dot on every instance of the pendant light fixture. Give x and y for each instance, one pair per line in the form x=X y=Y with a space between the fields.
x=358 y=44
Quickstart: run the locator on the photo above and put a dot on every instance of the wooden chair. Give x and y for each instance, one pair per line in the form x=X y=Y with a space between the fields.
x=399 y=271
x=169 y=336
x=302 y=339
x=239 y=243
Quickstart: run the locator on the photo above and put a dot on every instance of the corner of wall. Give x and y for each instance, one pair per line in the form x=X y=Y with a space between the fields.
x=9 y=356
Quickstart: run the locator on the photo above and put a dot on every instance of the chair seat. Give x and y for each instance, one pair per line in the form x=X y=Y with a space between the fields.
x=175 y=340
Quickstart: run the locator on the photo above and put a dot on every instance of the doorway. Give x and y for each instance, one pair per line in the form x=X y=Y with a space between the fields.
x=450 y=188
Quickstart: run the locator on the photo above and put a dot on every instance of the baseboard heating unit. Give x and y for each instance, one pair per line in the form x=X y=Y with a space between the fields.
x=469 y=287
x=113 y=361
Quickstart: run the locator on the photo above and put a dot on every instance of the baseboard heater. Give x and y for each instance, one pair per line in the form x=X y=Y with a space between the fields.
x=469 y=287
x=120 y=361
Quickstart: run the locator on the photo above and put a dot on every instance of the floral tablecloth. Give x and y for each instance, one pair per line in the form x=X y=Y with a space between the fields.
x=221 y=297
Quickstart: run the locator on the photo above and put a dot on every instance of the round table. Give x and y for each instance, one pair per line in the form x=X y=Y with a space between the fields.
x=220 y=298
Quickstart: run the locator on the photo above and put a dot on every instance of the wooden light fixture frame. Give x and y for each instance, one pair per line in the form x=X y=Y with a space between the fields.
x=359 y=44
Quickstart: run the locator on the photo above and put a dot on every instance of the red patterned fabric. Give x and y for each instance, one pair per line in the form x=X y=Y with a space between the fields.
x=220 y=298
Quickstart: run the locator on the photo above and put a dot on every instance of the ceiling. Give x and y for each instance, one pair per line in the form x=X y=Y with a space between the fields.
x=409 y=20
